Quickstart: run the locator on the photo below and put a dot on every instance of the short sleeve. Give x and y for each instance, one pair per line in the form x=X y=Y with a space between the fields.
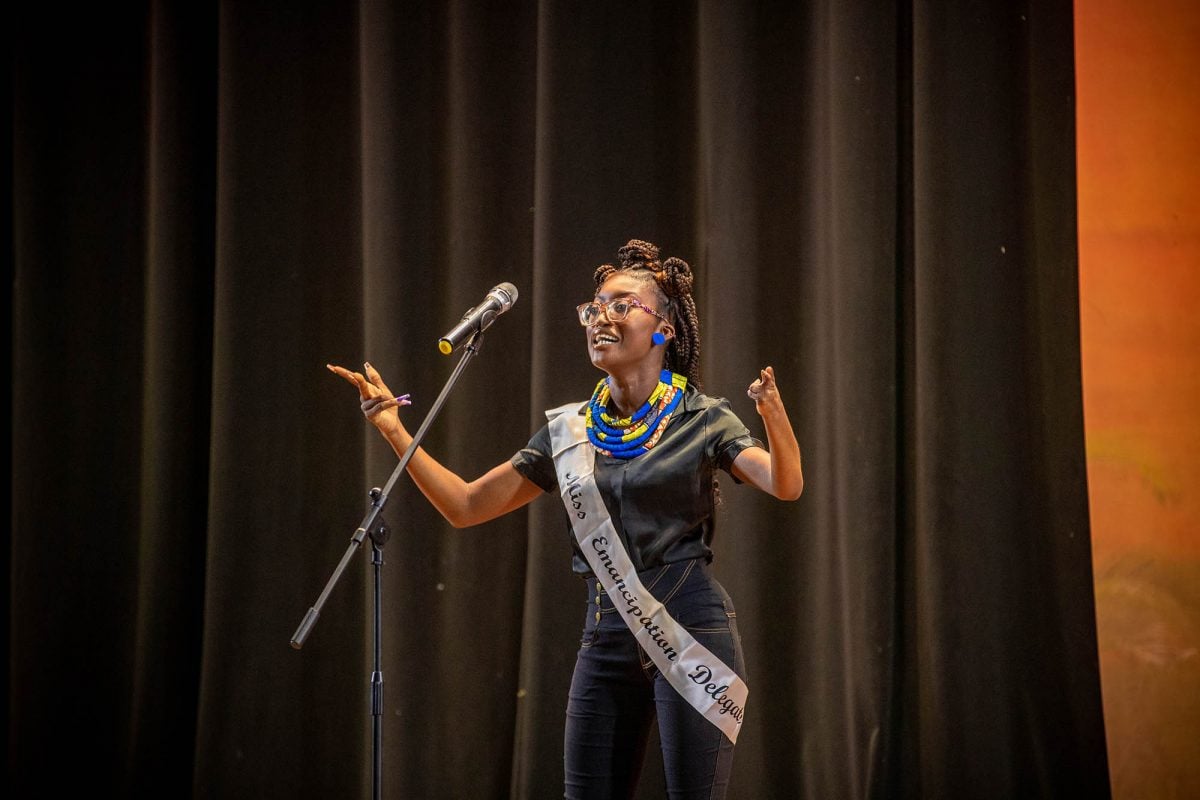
x=726 y=436
x=535 y=462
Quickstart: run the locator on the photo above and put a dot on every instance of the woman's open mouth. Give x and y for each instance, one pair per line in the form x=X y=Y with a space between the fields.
x=602 y=339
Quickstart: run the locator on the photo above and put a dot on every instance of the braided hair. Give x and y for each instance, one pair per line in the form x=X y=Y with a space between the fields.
x=672 y=282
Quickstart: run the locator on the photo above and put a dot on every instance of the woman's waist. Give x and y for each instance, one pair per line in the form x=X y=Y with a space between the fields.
x=686 y=581
x=653 y=550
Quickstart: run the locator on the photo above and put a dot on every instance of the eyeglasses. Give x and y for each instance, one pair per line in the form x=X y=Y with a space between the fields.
x=616 y=310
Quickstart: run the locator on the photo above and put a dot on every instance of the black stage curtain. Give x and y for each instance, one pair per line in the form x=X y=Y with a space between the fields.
x=211 y=202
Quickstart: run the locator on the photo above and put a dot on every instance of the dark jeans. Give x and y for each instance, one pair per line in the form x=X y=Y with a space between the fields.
x=617 y=691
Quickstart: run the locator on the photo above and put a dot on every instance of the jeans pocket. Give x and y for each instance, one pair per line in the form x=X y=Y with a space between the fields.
x=730 y=612
x=721 y=642
x=707 y=617
x=591 y=625
x=590 y=629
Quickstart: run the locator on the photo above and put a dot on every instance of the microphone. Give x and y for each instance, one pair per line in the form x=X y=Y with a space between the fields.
x=498 y=300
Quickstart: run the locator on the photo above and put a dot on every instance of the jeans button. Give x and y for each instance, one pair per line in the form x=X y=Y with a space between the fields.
x=597 y=616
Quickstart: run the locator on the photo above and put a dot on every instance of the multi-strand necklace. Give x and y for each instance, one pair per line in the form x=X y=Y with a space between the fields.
x=631 y=436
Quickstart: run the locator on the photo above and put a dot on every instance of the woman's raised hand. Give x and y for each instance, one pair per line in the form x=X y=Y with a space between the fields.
x=778 y=470
x=378 y=403
x=765 y=393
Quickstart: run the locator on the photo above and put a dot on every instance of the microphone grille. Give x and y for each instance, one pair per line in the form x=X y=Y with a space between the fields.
x=509 y=293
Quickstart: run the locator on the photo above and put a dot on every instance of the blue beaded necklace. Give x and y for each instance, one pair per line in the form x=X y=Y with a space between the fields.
x=629 y=437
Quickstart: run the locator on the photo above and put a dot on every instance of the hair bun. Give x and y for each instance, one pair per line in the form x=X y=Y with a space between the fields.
x=677 y=277
x=673 y=276
x=602 y=273
x=638 y=252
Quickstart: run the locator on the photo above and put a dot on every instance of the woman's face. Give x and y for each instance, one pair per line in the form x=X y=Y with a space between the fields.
x=616 y=345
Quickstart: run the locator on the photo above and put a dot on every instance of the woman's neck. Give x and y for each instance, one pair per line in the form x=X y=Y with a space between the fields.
x=629 y=390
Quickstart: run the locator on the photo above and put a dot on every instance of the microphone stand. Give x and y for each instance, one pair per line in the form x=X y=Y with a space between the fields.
x=374 y=526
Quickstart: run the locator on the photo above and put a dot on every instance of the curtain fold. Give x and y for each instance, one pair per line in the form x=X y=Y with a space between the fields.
x=211 y=203
x=173 y=483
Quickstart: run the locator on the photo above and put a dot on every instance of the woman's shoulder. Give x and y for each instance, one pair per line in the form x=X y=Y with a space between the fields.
x=695 y=400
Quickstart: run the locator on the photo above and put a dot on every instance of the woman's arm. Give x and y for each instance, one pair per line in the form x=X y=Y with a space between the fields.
x=776 y=470
x=498 y=491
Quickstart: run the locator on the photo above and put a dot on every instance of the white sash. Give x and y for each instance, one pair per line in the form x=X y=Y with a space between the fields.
x=706 y=683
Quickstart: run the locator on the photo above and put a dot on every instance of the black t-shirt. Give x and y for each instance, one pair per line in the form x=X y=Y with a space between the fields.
x=661 y=502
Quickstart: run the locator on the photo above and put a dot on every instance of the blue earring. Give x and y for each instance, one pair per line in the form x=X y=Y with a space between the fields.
x=658 y=338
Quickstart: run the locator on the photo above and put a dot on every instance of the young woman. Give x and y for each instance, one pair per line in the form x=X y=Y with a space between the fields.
x=635 y=468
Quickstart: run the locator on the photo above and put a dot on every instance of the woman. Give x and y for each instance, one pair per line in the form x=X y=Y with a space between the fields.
x=635 y=470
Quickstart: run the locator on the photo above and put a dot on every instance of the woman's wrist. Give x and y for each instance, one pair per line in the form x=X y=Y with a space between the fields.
x=397 y=437
x=771 y=411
